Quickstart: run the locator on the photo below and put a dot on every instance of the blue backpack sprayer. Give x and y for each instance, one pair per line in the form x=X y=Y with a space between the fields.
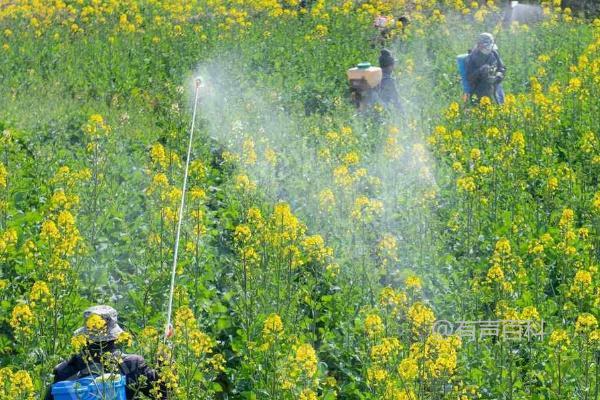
x=103 y=387
x=107 y=386
x=461 y=62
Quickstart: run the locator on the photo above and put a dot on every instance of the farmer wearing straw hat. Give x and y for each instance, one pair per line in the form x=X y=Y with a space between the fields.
x=100 y=355
x=485 y=69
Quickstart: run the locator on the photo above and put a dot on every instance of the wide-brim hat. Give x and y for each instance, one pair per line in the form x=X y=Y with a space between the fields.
x=486 y=40
x=109 y=332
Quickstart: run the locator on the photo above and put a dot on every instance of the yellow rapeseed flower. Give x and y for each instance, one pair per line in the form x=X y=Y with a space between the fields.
x=272 y=326
x=413 y=282
x=503 y=247
x=197 y=194
x=242 y=233
x=16 y=385
x=158 y=155
x=392 y=298
x=125 y=339
x=326 y=200
x=249 y=152
x=408 y=369
x=452 y=111
x=387 y=248
x=351 y=158
x=40 y=293
x=199 y=342
x=95 y=323
x=552 y=183
x=582 y=283
x=384 y=351
x=574 y=84
x=342 y=177
x=585 y=323
x=49 y=230
x=185 y=320
x=366 y=209
x=495 y=273
x=307 y=394
x=315 y=248
x=66 y=220
x=271 y=156
x=376 y=374
x=78 y=342
x=373 y=325
x=583 y=277
x=321 y=31
x=420 y=316
x=244 y=183
x=21 y=319
x=530 y=313
x=3 y=176
x=467 y=184
x=518 y=142
x=566 y=218
x=306 y=359
x=596 y=202
x=559 y=338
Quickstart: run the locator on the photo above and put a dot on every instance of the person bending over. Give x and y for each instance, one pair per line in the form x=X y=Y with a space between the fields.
x=100 y=355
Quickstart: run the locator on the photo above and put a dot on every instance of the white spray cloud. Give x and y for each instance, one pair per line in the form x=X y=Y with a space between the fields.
x=398 y=168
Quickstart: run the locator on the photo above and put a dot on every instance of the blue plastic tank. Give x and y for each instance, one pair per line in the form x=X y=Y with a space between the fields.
x=461 y=62
x=90 y=388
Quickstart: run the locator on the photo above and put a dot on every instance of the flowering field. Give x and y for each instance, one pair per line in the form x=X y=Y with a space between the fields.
x=322 y=251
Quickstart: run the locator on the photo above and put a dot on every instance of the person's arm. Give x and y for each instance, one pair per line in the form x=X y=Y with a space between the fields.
x=160 y=392
x=501 y=70
x=141 y=378
x=63 y=371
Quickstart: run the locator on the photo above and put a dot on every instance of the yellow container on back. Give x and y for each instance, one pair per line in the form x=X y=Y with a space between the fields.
x=371 y=75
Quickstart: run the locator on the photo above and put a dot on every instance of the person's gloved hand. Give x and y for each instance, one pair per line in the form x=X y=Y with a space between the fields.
x=485 y=69
x=499 y=77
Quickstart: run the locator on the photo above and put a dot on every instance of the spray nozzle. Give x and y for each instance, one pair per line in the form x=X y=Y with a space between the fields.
x=199 y=81
x=169 y=331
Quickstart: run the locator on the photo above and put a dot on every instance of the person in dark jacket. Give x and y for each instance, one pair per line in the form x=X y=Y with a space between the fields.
x=388 y=94
x=101 y=355
x=485 y=70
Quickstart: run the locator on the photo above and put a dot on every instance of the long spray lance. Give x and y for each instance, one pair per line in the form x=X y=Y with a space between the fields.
x=169 y=326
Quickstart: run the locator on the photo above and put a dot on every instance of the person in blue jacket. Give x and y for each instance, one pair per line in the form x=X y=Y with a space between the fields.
x=101 y=354
x=485 y=70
